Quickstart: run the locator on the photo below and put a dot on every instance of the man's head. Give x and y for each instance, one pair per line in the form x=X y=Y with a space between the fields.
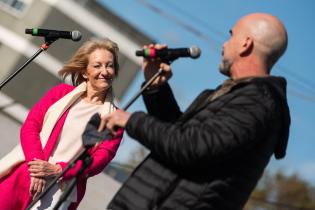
x=257 y=41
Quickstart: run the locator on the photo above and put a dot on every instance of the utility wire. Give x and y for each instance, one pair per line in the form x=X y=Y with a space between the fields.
x=298 y=94
x=197 y=20
x=303 y=81
x=299 y=81
x=213 y=45
x=310 y=85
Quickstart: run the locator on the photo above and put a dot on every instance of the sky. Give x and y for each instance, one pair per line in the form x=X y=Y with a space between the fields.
x=206 y=24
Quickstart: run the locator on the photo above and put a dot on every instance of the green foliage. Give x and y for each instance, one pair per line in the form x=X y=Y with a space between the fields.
x=282 y=192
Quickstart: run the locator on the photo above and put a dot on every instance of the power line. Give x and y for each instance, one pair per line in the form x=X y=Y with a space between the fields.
x=198 y=20
x=301 y=81
x=298 y=80
x=213 y=45
x=309 y=98
x=299 y=85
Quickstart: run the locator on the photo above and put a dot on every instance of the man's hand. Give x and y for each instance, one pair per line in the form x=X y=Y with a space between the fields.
x=43 y=169
x=37 y=186
x=152 y=65
x=117 y=119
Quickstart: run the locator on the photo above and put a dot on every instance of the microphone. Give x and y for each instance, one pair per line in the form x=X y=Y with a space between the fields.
x=74 y=35
x=170 y=54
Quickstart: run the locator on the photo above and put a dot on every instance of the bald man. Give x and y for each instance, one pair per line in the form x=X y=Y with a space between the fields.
x=211 y=156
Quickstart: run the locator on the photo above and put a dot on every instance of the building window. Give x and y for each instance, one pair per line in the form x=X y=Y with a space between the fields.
x=15 y=7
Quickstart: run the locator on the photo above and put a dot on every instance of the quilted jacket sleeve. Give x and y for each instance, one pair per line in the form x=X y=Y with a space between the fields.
x=167 y=111
x=207 y=136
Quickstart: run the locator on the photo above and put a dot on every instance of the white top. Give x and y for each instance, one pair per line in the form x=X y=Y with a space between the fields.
x=69 y=143
x=70 y=139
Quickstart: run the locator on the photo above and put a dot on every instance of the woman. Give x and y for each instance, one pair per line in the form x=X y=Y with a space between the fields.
x=51 y=134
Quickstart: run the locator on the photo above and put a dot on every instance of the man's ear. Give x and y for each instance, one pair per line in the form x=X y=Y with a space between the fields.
x=247 y=46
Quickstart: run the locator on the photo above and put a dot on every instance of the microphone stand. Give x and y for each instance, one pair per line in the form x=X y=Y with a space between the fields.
x=145 y=86
x=83 y=154
x=44 y=46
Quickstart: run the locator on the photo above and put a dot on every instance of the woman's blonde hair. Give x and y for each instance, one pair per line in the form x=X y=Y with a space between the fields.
x=78 y=63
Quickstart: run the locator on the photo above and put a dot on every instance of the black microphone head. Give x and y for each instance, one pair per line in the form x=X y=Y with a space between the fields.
x=140 y=53
x=194 y=52
x=76 y=36
x=28 y=31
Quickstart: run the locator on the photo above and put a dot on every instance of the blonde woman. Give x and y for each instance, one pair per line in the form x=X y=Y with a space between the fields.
x=51 y=134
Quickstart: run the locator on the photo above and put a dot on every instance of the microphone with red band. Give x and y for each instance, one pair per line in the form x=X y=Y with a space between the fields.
x=170 y=54
x=73 y=35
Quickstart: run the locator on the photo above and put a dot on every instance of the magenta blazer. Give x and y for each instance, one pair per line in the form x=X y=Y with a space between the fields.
x=14 y=188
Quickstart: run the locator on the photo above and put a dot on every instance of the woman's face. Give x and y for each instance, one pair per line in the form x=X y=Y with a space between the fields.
x=100 y=70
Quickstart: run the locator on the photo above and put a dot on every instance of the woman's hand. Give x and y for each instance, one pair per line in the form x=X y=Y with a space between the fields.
x=37 y=186
x=43 y=169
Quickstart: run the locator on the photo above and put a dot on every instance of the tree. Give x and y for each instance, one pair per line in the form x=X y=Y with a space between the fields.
x=282 y=192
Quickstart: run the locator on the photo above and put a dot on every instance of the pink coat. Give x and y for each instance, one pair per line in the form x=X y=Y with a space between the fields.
x=14 y=188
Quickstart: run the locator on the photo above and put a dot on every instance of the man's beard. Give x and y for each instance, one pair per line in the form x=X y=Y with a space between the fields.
x=225 y=67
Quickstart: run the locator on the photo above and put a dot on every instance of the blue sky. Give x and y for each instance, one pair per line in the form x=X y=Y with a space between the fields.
x=206 y=24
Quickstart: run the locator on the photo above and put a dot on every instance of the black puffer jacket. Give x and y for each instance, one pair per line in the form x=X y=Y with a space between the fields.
x=211 y=156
